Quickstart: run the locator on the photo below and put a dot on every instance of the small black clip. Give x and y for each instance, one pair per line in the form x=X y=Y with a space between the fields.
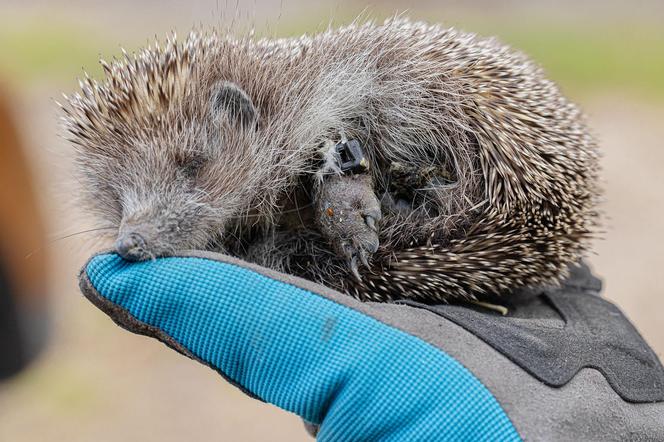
x=350 y=157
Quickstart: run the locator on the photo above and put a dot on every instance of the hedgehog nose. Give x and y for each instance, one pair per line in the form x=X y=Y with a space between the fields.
x=131 y=246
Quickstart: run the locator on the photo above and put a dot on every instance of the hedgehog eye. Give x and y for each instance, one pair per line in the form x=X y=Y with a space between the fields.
x=189 y=163
x=229 y=99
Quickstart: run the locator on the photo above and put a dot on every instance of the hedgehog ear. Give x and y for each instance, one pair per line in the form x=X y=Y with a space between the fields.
x=230 y=100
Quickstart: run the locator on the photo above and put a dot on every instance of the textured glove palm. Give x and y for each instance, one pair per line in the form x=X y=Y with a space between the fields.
x=356 y=371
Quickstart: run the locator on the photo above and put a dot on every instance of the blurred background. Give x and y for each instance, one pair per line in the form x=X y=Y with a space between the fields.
x=94 y=381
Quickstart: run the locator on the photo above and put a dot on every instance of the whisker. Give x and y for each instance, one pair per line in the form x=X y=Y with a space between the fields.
x=69 y=235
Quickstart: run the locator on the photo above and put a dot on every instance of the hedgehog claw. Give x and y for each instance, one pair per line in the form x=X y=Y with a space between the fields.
x=371 y=223
x=363 y=258
x=358 y=252
x=358 y=255
x=352 y=264
x=348 y=250
x=371 y=217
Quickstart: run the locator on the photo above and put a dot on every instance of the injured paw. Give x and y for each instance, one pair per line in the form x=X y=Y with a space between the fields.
x=349 y=216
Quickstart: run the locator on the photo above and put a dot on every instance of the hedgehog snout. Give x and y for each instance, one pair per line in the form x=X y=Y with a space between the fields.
x=132 y=246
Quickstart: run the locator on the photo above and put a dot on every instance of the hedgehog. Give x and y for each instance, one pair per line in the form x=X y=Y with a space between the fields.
x=386 y=161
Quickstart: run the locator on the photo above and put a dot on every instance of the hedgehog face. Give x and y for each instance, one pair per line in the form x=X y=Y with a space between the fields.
x=171 y=181
x=183 y=202
x=163 y=202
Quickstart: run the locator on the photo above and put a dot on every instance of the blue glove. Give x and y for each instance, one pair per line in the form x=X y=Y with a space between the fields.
x=356 y=371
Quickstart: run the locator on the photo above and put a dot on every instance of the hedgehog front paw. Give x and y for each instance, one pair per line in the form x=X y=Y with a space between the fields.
x=349 y=216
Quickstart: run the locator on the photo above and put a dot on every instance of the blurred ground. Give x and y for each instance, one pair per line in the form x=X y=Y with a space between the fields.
x=97 y=382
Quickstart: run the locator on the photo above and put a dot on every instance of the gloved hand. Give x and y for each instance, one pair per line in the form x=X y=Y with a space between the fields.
x=369 y=371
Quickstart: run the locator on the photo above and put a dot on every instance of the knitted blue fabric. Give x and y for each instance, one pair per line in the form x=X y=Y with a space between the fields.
x=357 y=377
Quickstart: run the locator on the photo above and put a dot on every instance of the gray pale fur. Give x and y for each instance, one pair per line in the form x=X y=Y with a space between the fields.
x=163 y=152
